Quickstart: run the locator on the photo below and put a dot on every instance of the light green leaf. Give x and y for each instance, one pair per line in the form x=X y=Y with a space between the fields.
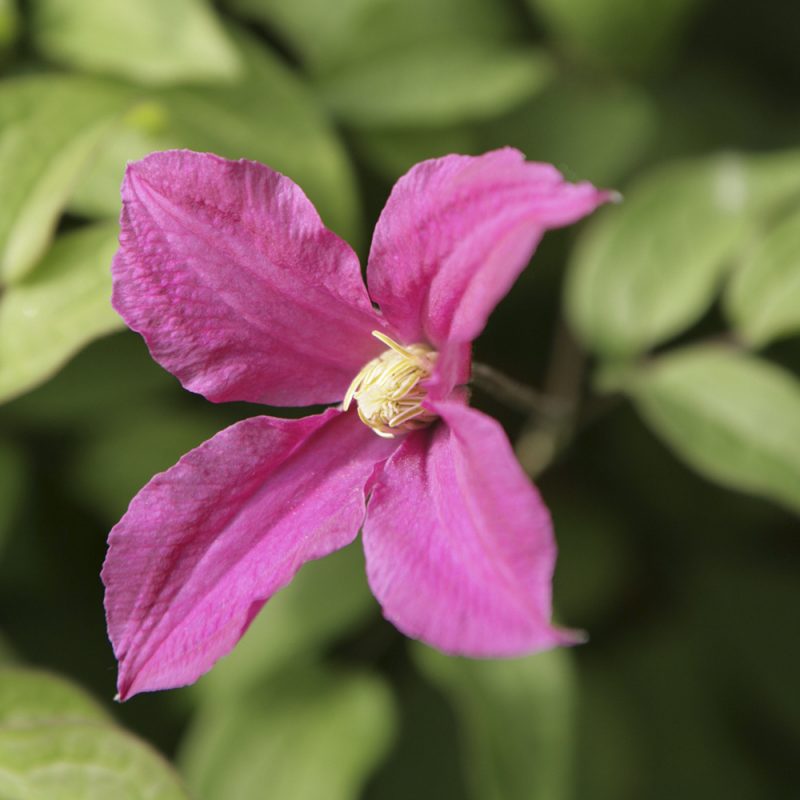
x=308 y=737
x=56 y=743
x=649 y=268
x=733 y=417
x=326 y=599
x=63 y=304
x=435 y=84
x=328 y=35
x=9 y=22
x=148 y=41
x=621 y=33
x=32 y=697
x=517 y=721
x=49 y=127
x=763 y=299
x=269 y=116
x=12 y=484
x=81 y=761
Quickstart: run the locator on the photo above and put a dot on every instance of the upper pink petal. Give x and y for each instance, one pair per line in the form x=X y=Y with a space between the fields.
x=455 y=234
x=459 y=546
x=205 y=544
x=238 y=288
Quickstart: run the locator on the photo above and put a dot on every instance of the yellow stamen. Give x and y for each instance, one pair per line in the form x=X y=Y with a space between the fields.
x=387 y=390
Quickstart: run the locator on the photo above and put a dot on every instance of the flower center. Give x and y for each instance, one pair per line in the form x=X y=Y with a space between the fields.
x=387 y=390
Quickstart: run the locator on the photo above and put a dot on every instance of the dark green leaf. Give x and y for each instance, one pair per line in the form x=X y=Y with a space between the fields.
x=329 y=35
x=623 y=33
x=516 y=718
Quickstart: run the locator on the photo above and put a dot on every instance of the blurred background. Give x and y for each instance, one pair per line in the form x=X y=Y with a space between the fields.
x=662 y=334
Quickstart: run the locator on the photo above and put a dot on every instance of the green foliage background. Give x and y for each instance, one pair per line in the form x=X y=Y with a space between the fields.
x=663 y=333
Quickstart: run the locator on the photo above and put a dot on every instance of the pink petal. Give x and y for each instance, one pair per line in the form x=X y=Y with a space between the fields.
x=455 y=234
x=238 y=288
x=205 y=544
x=459 y=545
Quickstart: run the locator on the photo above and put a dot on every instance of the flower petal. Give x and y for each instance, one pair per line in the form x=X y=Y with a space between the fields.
x=205 y=544
x=238 y=288
x=455 y=234
x=459 y=545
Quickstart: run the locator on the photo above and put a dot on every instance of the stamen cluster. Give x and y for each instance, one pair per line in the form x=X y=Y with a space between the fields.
x=387 y=390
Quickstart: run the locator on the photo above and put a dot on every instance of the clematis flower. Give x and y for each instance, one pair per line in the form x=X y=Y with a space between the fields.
x=239 y=290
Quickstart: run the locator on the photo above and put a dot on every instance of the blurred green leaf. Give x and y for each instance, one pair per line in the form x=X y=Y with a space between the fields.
x=12 y=484
x=81 y=761
x=131 y=448
x=9 y=22
x=56 y=309
x=517 y=721
x=326 y=599
x=49 y=127
x=733 y=417
x=619 y=33
x=328 y=35
x=101 y=386
x=761 y=599
x=590 y=129
x=763 y=299
x=649 y=268
x=148 y=41
x=56 y=744
x=435 y=84
x=33 y=697
x=392 y=152
x=307 y=737
x=269 y=116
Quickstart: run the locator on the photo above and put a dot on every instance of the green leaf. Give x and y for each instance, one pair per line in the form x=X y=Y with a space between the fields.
x=33 y=697
x=763 y=299
x=646 y=270
x=147 y=41
x=151 y=439
x=12 y=484
x=63 y=304
x=329 y=35
x=101 y=387
x=56 y=743
x=435 y=84
x=516 y=719
x=733 y=417
x=269 y=116
x=9 y=23
x=392 y=152
x=326 y=599
x=49 y=127
x=81 y=761
x=621 y=33
x=306 y=737
x=590 y=129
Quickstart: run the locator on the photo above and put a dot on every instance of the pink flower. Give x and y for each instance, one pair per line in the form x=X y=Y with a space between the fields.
x=240 y=291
